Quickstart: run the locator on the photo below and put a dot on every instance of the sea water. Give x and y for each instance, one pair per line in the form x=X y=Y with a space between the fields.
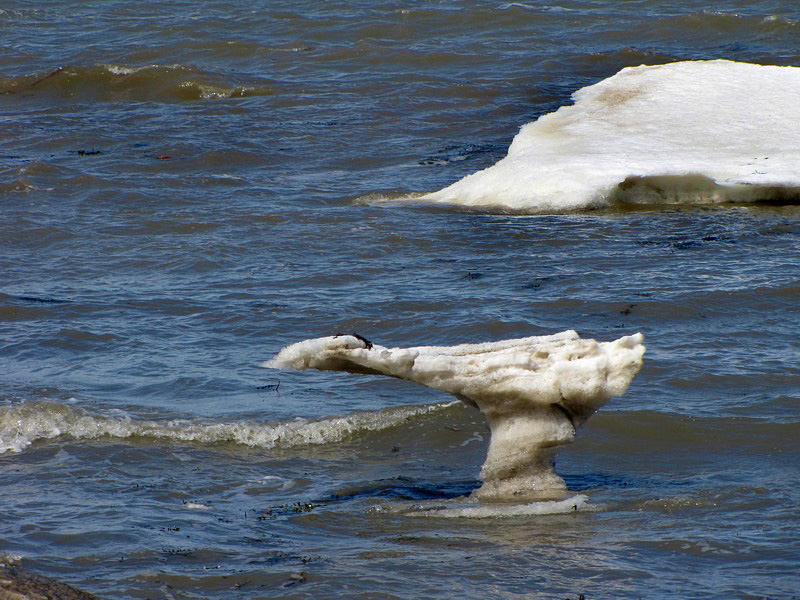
x=187 y=188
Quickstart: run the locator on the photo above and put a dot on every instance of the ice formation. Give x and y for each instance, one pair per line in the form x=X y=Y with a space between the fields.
x=535 y=392
x=686 y=132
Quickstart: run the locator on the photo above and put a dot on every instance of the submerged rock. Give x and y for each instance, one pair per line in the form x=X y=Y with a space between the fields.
x=535 y=392
x=18 y=584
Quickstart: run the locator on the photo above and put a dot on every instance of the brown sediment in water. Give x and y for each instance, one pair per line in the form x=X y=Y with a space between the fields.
x=18 y=584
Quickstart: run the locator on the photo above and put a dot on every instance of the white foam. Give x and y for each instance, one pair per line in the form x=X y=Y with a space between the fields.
x=687 y=132
x=534 y=392
x=124 y=70
x=128 y=70
x=196 y=506
x=11 y=559
x=23 y=424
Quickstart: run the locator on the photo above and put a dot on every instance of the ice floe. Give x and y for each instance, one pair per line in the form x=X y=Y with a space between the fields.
x=694 y=132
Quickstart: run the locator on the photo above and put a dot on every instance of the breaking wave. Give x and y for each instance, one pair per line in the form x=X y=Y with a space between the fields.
x=124 y=83
x=23 y=424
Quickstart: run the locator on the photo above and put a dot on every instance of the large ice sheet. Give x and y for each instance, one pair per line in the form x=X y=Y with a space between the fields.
x=535 y=392
x=686 y=132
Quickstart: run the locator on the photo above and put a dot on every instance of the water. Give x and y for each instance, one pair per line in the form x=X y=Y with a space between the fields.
x=195 y=189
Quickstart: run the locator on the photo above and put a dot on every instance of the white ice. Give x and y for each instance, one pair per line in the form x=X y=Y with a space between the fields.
x=461 y=508
x=577 y=503
x=687 y=132
x=534 y=392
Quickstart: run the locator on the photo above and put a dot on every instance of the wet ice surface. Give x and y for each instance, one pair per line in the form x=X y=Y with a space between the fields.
x=684 y=133
x=534 y=392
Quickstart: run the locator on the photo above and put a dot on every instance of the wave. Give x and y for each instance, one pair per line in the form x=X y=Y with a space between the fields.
x=697 y=132
x=729 y=23
x=23 y=424
x=124 y=83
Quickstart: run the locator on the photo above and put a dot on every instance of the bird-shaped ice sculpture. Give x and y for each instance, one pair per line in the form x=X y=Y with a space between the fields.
x=535 y=392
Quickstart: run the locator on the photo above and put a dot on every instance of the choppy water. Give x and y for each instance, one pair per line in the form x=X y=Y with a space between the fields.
x=188 y=187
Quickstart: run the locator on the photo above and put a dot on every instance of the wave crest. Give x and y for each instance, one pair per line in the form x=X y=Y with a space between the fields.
x=23 y=424
x=115 y=83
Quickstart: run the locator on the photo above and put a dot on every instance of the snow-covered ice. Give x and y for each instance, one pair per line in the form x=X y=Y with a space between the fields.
x=686 y=132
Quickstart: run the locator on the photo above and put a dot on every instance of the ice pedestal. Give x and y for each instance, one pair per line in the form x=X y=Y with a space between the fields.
x=535 y=392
